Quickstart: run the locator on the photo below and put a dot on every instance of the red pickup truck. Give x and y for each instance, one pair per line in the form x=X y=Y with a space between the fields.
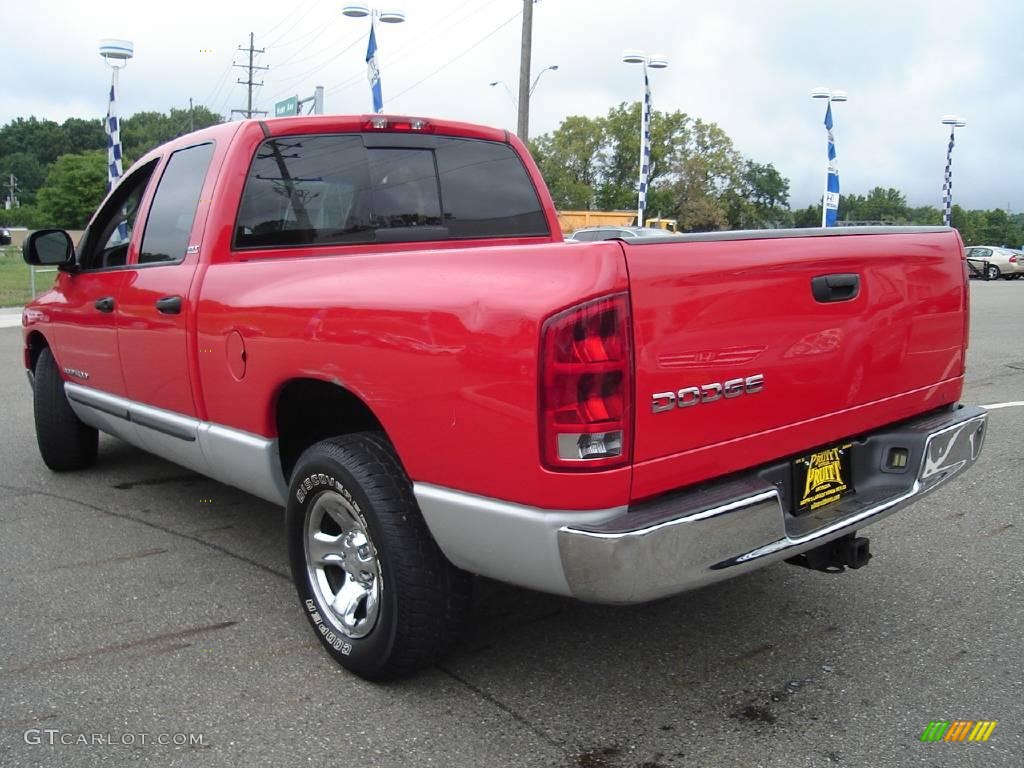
x=374 y=322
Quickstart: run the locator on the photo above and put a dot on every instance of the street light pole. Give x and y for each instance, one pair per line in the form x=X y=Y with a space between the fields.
x=655 y=61
x=953 y=122
x=372 y=66
x=830 y=197
x=512 y=96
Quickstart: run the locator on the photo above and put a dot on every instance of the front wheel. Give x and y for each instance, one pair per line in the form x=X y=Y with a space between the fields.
x=65 y=443
x=378 y=591
x=993 y=272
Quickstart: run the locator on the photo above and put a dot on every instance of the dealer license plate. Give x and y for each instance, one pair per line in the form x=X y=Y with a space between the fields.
x=822 y=478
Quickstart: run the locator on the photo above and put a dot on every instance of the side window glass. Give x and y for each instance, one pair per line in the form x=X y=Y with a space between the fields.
x=173 y=210
x=106 y=243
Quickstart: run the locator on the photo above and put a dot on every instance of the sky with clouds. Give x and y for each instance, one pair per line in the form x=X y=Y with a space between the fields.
x=747 y=65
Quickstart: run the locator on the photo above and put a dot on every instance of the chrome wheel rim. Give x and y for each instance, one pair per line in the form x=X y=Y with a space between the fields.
x=342 y=565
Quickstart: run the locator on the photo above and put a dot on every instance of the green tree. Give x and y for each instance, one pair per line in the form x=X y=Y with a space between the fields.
x=43 y=139
x=705 y=174
x=144 y=131
x=760 y=200
x=620 y=162
x=75 y=186
x=925 y=215
x=83 y=135
x=569 y=159
x=809 y=216
x=885 y=205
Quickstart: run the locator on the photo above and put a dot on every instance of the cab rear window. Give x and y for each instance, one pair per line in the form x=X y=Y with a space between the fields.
x=334 y=189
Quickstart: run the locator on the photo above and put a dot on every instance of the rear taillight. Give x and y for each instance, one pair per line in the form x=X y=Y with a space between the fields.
x=967 y=318
x=586 y=393
x=1013 y=259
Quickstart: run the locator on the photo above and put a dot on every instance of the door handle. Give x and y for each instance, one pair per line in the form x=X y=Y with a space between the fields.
x=169 y=305
x=106 y=304
x=838 y=287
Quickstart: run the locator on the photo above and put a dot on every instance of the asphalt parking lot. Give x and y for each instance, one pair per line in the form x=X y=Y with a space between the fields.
x=140 y=598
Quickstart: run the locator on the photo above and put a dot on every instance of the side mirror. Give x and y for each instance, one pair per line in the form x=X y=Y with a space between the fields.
x=49 y=248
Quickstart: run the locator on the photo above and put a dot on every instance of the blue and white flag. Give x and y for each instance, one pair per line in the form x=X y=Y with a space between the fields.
x=831 y=202
x=113 y=129
x=114 y=168
x=947 y=184
x=645 y=151
x=373 y=72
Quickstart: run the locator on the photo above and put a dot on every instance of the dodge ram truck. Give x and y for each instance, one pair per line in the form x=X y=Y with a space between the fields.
x=373 y=321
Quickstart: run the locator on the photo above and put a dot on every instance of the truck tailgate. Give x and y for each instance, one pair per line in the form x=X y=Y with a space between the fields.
x=709 y=312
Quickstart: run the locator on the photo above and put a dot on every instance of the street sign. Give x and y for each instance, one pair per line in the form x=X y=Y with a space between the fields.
x=287 y=107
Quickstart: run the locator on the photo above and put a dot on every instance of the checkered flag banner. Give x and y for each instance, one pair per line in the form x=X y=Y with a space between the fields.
x=114 y=169
x=645 y=151
x=947 y=184
x=832 y=183
x=373 y=72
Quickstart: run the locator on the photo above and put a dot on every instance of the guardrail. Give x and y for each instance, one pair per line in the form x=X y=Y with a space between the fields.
x=980 y=272
x=32 y=276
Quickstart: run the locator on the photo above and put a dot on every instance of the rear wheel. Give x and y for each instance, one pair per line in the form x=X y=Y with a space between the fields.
x=65 y=443
x=378 y=591
x=993 y=272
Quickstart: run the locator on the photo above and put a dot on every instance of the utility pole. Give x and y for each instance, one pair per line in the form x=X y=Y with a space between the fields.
x=251 y=67
x=12 y=192
x=191 y=116
x=523 y=129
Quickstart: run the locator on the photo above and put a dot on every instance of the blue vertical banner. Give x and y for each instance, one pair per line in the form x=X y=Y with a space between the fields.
x=947 y=184
x=113 y=130
x=645 y=151
x=373 y=71
x=831 y=200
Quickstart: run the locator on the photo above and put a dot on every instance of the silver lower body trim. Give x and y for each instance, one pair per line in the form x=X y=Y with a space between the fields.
x=683 y=545
x=502 y=540
x=693 y=537
x=241 y=459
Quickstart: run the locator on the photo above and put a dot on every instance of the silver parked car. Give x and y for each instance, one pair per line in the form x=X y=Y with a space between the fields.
x=997 y=261
x=613 y=233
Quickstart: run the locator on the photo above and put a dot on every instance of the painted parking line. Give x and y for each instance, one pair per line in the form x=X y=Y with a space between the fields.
x=10 y=321
x=997 y=406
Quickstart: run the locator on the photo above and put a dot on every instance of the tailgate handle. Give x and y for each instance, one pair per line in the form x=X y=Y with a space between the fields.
x=839 y=287
x=106 y=304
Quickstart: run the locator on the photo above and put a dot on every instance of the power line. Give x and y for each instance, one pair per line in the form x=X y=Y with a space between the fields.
x=402 y=51
x=249 y=111
x=299 y=18
x=317 y=68
x=215 y=91
x=308 y=41
x=452 y=60
x=269 y=30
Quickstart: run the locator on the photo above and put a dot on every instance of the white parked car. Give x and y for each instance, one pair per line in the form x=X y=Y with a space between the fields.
x=998 y=262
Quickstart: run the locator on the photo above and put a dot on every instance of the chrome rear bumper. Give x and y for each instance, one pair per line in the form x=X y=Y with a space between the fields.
x=687 y=539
